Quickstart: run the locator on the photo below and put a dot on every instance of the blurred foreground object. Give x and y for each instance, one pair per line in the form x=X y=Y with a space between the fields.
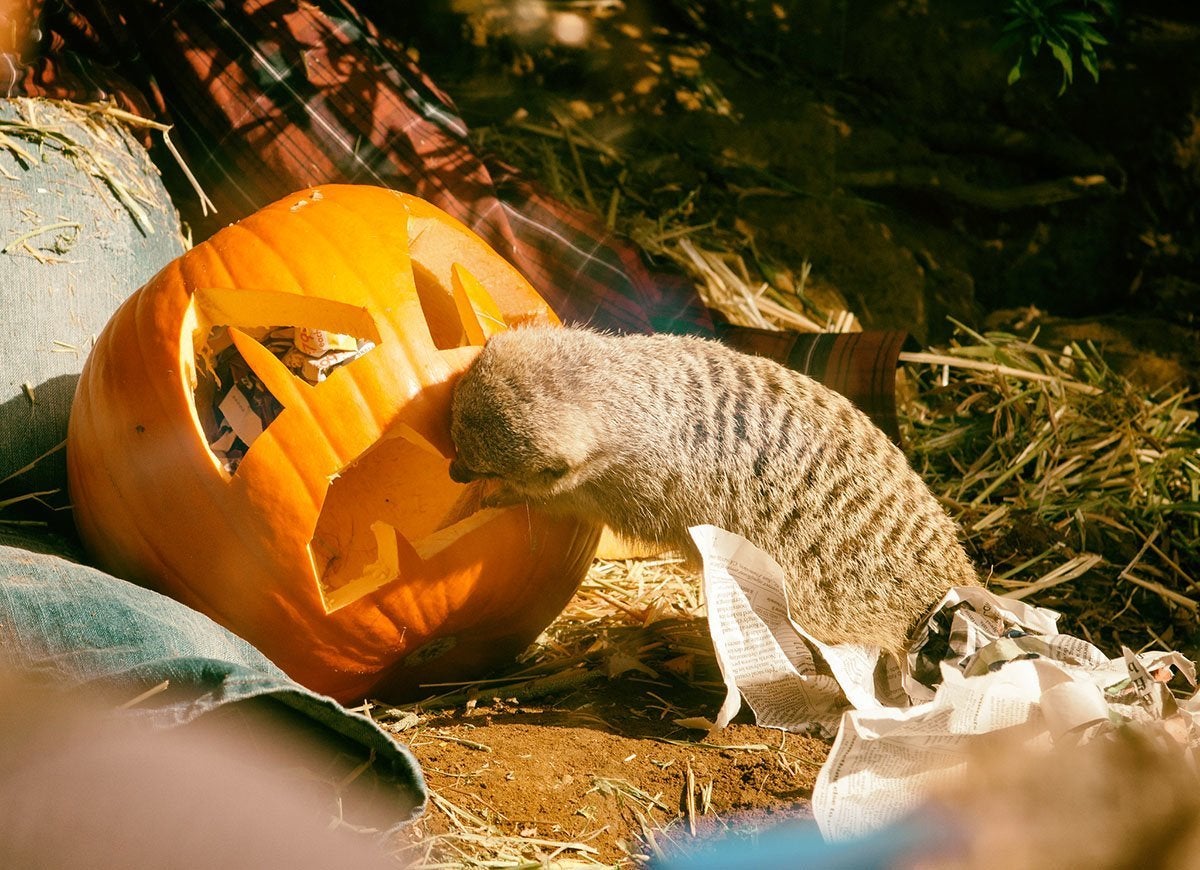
x=1129 y=799
x=83 y=787
x=72 y=628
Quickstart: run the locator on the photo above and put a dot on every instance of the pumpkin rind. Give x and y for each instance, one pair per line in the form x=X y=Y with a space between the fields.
x=153 y=504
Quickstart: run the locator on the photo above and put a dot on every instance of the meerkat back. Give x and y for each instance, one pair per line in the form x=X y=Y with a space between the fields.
x=798 y=470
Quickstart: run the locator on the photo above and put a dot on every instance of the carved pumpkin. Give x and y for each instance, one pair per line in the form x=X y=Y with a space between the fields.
x=333 y=538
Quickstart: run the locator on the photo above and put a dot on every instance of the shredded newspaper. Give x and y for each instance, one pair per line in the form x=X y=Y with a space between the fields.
x=981 y=664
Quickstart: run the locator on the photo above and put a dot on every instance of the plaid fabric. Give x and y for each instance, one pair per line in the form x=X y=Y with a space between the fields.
x=269 y=96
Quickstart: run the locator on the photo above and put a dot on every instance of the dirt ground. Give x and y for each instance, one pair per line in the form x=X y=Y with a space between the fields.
x=601 y=771
x=608 y=775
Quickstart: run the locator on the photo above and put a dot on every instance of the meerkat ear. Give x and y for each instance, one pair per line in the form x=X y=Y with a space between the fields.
x=575 y=444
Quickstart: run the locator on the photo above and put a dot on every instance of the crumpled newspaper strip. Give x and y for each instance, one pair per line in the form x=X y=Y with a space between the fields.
x=981 y=665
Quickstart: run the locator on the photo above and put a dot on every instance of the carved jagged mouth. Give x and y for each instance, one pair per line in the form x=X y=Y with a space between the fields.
x=394 y=506
x=415 y=513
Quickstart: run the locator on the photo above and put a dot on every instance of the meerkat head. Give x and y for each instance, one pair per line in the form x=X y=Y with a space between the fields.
x=513 y=420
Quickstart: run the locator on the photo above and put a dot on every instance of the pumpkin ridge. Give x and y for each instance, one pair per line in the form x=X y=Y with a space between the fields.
x=370 y=287
x=336 y=246
x=85 y=417
x=280 y=265
x=132 y=320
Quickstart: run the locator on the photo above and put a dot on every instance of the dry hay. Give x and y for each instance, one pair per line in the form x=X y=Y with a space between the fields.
x=626 y=616
x=12 y=507
x=1076 y=488
x=121 y=166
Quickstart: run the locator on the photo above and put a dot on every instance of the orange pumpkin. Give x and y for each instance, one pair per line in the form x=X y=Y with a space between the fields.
x=338 y=545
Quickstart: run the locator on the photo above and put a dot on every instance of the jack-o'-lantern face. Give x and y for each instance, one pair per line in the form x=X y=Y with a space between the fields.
x=263 y=433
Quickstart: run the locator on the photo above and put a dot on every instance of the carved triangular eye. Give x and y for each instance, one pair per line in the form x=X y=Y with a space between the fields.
x=458 y=313
x=247 y=373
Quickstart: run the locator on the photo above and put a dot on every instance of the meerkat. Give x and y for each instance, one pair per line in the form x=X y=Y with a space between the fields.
x=653 y=434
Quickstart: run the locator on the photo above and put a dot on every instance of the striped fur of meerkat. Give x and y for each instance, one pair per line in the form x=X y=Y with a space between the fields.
x=652 y=434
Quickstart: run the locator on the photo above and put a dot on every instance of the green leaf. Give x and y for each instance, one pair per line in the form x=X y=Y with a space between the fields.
x=1055 y=40
x=1067 y=27
x=1063 y=56
x=1014 y=74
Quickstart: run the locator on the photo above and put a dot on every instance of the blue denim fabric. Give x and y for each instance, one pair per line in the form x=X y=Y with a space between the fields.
x=68 y=625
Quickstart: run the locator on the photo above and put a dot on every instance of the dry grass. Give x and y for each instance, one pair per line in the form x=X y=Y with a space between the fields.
x=476 y=842
x=37 y=132
x=1078 y=489
x=626 y=616
x=1075 y=488
x=11 y=513
x=692 y=226
x=121 y=165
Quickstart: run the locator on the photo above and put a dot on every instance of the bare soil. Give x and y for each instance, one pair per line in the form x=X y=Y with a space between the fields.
x=609 y=770
x=590 y=762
